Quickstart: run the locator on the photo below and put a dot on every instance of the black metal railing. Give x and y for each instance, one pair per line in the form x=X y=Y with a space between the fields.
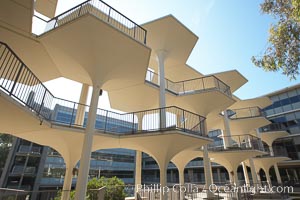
x=102 y=11
x=246 y=113
x=273 y=127
x=238 y=142
x=19 y=82
x=207 y=83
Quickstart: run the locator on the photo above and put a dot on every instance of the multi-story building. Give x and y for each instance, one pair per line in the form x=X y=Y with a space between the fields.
x=170 y=111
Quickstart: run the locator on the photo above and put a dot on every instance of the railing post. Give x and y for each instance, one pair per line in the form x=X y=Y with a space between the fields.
x=79 y=11
x=73 y=110
x=105 y=121
x=200 y=125
x=183 y=120
x=145 y=38
x=183 y=87
x=133 y=122
x=42 y=103
x=108 y=14
x=16 y=79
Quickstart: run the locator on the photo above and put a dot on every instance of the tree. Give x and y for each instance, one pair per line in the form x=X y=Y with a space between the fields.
x=283 y=52
x=5 y=146
x=114 y=189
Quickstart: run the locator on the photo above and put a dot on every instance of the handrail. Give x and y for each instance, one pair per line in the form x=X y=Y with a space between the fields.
x=273 y=127
x=237 y=142
x=102 y=11
x=19 y=82
x=249 y=112
x=190 y=86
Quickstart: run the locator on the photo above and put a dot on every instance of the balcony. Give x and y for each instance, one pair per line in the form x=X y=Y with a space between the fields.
x=19 y=170
x=101 y=11
x=243 y=113
x=192 y=86
x=237 y=143
x=273 y=127
x=18 y=81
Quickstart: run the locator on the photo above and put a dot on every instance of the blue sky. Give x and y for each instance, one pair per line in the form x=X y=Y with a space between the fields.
x=229 y=31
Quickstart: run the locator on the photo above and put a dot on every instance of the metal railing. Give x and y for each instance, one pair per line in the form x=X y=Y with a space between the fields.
x=19 y=82
x=237 y=142
x=246 y=113
x=102 y=11
x=273 y=127
x=25 y=149
x=203 y=84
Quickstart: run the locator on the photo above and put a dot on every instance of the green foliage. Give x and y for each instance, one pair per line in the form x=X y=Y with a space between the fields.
x=114 y=189
x=283 y=52
x=5 y=146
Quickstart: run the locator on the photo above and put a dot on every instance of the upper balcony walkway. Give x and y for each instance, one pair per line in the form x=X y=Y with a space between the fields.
x=102 y=11
x=192 y=86
x=19 y=82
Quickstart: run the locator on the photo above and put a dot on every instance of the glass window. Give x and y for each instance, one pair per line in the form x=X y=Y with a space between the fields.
x=278 y=110
x=276 y=98
x=283 y=96
x=287 y=108
x=296 y=105
x=290 y=116
x=269 y=112
x=292 y=93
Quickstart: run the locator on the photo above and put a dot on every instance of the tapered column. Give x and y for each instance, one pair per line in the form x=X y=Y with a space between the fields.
x=181 y=181
x=138 y=170
x=67 y=183
x=268 y=178
x=235 y=177
x=87 y=146
x=163 y=181
x=161 y=56
x=253 y=173
x=226 y=132
x=278 y=177
x=79 y=120
x=207 y=171
x=246 y=174
x=140 y=117
x=295 y=174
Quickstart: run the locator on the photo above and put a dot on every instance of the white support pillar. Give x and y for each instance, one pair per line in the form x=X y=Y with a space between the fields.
x=161 y=55
x=82 y=180
x=295 y=174
x=181 y=181
x=67 y=183
x=207 y=171
x=268 y=178
x=253 y=173
x=278 y=177
x=271 y=150
x=226 y=132
x=140 y=117
x=163 y=181
x=138 y=170
x=246 y=174
x=235 y=177
x=287 y=173
x=79 y=120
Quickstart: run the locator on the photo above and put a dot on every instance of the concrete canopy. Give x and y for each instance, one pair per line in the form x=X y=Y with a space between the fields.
x=232 y=78
x=146 y=97
x=46 y=7
x=168 y=34
x=260 y=102
x=270 y=136
x=69 y=141
x=266 y=163
x=97 y=53
x=17 y=14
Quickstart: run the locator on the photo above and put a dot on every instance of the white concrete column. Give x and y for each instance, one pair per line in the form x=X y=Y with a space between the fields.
x=87 y=146
x=246 y=174
x=161 y=55
x=81 y=109
x=181 y=181
x=287 y=173
x=271 y=150
x=67 y=183
x=235 y=177
x=278 y=177
x=226 y=132
x=163 y=181
x=253 y=173
x=138 y=170
x=207 y=171
x=295 y=174
x=268 y=178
